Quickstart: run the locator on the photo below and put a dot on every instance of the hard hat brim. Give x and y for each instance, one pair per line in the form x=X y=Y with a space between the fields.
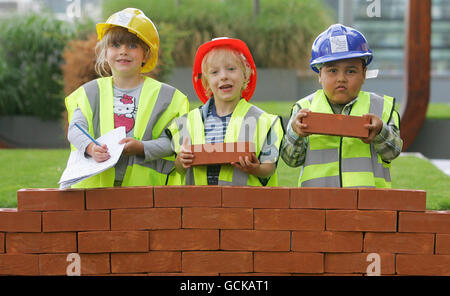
x=340 y=56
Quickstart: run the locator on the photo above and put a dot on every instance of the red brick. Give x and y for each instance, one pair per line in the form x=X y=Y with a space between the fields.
x=423 y=265
x=90 y=264
x=443 y=244
x=221 y=153
x=156 y=261
x=324 y=198
x=41 y=242
x=390 y=199
x=289 y=219
x=336 y=124
x=357 y=263
x=217 y=218
x=13 y=221
x=2 y=242
x=327 y=241
x=354 y=220
x=432 y=221
x=19 y=264
x=112 y=241
x=184 y=239
x=119 y=198
x=258 y=240
x=217 y=262
x=75 y=221
x=254 y=197
x=410 y=243
x=50 y=199
x=138 y=219
x=288 y=262
x=188 y=196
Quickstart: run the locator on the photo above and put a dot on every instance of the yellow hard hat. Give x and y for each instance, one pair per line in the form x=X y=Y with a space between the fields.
x=137 y=23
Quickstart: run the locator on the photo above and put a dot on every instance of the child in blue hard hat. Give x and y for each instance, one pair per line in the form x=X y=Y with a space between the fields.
x=340 y=55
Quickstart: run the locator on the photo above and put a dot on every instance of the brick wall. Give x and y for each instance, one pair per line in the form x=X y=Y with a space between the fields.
x=223 y=231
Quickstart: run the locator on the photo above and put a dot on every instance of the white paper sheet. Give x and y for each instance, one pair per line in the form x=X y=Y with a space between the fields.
x=80 y=167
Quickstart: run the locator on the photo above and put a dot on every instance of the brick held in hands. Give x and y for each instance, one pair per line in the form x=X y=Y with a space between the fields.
x=50 y=199
x=221 y=153
x=336 y=124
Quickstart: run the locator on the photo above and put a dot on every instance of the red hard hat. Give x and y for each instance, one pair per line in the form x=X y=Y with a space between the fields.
x=236 y=44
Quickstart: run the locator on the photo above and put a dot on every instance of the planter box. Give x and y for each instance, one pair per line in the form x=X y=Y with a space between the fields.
x=32 y=132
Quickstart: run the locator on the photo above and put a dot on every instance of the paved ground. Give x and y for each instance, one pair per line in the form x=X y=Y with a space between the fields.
x=442 y=164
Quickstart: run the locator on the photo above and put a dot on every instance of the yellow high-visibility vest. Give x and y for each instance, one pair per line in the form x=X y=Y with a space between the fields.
x=334 y=161
x=159 y=104
x=248 y=123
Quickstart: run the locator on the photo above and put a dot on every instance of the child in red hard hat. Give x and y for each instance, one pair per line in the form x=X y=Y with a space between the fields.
x=224 y=77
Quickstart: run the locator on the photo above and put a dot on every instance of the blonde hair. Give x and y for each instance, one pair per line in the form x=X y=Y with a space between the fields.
x=114 y=35
x=225 y=52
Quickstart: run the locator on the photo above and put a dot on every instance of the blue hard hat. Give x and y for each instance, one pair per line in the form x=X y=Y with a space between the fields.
x=339 y=42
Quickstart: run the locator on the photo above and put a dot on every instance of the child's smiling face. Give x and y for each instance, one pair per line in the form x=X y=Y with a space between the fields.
x=342 y=80
x=224 y=76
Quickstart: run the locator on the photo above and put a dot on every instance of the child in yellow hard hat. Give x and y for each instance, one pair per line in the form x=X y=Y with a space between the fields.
x=128 y=46
x=224 y=77
x=340 y=56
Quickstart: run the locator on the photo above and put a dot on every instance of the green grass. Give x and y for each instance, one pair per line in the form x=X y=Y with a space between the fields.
x=34 y=168
x=29 y=168
x=438 y=111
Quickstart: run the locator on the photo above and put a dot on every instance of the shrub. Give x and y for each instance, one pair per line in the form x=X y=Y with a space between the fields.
x=30 y=65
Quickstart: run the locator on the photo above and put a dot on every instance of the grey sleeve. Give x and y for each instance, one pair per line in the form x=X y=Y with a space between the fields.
x=158 y=148
x=76 y=137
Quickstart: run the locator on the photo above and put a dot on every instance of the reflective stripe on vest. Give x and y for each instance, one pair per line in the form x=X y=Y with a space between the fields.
x=158 y=105
x=247 y=123
x=333 y=161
